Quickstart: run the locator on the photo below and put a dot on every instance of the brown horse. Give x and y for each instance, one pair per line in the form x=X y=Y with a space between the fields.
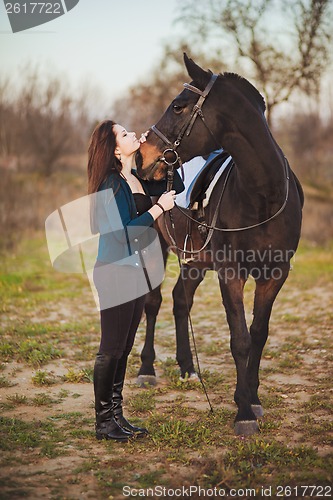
x=255 y=212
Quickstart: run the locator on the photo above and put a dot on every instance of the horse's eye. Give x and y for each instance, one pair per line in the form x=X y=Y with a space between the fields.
x=177 y=109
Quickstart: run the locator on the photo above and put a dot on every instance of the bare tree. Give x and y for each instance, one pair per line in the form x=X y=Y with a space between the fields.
x=309 y=140
x=7 y=118
x=284 y=47
x=146 y=101
x=43 y=119
x=45 y=110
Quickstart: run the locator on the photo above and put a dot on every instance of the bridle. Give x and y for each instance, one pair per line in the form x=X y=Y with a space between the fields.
x=185 y=131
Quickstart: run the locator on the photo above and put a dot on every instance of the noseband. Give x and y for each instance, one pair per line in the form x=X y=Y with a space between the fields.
x=170 y=155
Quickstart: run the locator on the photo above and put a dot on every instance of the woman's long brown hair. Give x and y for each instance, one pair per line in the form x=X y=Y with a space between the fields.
x=101 y=157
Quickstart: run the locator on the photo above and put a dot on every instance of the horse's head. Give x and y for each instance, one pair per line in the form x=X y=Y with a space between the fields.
x=180 y=133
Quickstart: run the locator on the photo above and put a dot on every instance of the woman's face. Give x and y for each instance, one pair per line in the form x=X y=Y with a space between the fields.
x=127 y=143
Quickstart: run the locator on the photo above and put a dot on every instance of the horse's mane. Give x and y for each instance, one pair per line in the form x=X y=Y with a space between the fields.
x=247 y=87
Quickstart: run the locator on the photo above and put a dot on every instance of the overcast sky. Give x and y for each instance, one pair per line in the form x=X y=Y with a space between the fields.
x=110 y=43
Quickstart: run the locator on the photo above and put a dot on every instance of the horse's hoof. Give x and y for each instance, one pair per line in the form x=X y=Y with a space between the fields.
x=192 y=377
x=257 y=410
x=145 y=380
x=246 y=427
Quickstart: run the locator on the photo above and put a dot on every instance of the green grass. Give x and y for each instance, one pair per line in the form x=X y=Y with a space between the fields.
x=43 y=399
x=143 y=402
x=78 y=376
x=7 y=350
x=17 y=434
x=52 y=344
x=36 y=354
x=43 y=378
x=319 y=401
x=257 y=459
x=179 y=433
x=18 y=399
x=4 y=382
x=312 y=264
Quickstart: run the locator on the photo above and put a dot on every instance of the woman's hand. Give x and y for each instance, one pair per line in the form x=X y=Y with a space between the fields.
x=164 y=203
x=167 y=200
x=143 y=137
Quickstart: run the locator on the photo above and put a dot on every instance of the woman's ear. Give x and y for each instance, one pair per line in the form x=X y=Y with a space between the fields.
x=117 y=151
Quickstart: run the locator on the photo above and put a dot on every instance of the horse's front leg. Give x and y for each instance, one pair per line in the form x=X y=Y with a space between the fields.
x=189 y=279
x=147 y=373
x=240 y=342
x=265 y=294
x=153 y=303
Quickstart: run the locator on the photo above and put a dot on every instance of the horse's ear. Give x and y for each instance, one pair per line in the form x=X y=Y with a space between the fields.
x=198 y=75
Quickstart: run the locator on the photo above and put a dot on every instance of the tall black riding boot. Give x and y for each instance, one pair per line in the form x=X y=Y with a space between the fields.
x=104 y=374
x=118 y=400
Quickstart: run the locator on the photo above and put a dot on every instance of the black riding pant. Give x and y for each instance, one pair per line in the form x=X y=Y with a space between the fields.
x=120 y=322
x=118 y=327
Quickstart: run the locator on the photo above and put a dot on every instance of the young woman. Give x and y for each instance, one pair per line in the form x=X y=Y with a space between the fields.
x=110 y=161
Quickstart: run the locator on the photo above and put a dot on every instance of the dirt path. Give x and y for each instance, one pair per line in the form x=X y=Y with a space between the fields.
x=46 y=403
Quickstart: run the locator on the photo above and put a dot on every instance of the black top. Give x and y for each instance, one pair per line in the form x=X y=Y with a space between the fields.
x=113 y=243
x=142 y=202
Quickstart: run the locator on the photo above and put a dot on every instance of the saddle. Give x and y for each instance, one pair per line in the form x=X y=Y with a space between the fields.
x=201 y=190
x=199 y=194
x=206 y=180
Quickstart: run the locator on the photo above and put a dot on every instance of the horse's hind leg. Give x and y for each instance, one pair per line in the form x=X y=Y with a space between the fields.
x=265 y=294
x=189 y=279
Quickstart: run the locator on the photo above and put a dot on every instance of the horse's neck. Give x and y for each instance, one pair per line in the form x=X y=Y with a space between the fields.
x=259 y=162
